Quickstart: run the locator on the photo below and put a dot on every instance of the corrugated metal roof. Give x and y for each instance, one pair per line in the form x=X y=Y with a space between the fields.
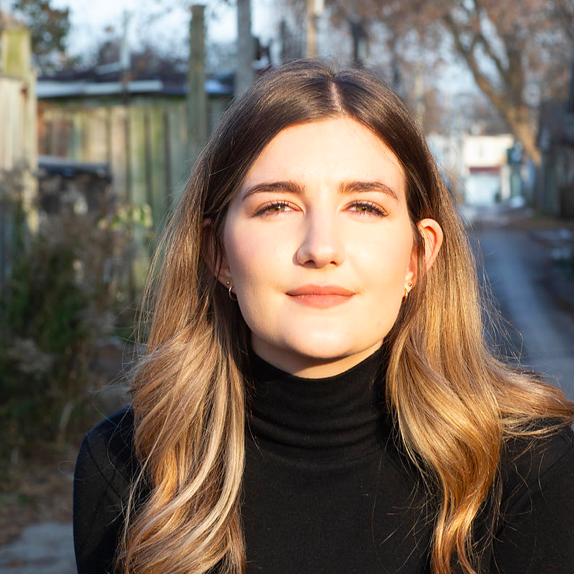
x=69 y=168
x=49 y=89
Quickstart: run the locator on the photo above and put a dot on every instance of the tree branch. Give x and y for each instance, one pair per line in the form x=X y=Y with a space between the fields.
x=482 y=81
x=489 y=51
x=564 y=16
x=509 y=104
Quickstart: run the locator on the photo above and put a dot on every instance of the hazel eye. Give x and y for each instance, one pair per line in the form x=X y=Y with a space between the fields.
x=273 y=207
x=368 y=208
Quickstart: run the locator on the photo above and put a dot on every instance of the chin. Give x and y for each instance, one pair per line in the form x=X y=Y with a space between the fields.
x=329 y=350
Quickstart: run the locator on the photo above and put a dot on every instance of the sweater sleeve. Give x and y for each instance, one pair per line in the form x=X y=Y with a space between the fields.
x=536 y=535
x=101 y=483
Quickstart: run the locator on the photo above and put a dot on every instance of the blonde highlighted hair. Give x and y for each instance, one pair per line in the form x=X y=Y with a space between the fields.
x=453 y=402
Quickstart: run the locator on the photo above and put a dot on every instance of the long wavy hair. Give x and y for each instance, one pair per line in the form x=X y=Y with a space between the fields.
x=454 y=403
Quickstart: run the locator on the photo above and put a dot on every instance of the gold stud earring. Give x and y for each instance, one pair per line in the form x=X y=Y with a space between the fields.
x=407 y=290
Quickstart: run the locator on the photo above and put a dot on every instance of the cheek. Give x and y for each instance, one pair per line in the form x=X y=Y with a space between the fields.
x=251 y=256
x=386 y=259
x=255 y=264
x=238 y=251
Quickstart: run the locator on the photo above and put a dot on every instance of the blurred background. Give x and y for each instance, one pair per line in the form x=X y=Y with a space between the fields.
x=104 y=107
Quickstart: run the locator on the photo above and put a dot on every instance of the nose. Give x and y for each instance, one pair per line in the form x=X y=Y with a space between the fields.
x=322 y=243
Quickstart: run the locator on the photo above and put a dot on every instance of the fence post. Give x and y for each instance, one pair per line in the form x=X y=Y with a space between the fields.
x=196 y=97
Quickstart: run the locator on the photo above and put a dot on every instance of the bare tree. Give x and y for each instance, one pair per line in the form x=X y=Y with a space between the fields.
x=562 y=14
x=514 y=50
x=501 y=43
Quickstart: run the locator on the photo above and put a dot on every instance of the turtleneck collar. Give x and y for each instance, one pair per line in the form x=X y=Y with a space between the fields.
x=334 y=418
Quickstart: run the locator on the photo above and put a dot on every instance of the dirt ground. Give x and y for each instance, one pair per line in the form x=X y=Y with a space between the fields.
x=36 y=491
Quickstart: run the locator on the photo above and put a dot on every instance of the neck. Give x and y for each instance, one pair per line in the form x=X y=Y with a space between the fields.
x=308 y=366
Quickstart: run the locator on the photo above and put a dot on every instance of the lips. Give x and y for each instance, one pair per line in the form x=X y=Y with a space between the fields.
x=321 y=295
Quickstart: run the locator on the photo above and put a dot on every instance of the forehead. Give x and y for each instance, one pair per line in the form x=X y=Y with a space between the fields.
x=336 y=150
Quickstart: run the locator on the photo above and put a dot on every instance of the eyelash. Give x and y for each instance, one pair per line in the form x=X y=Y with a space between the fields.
x=271 y=205
x=375 y=209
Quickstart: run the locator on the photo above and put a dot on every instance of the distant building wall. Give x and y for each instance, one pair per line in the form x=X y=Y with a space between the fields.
x=486 y=151
x=555 y=182
x=554 y=185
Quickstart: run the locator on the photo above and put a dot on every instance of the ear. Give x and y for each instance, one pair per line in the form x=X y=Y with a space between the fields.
x=433 y=237
x=213 y=257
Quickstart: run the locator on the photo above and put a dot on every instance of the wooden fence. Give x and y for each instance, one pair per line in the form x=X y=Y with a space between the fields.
x=18 y=160
x=144 y=143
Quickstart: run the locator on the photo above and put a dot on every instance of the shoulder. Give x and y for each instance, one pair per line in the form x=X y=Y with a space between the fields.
x=535 y=533
x=529 y=465
x=107 y=450
x=103 y=478
x=115 y=431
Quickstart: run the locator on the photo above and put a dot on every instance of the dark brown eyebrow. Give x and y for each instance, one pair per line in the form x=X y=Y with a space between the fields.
x=358 y=186
x=281 y=186
x=344 y=187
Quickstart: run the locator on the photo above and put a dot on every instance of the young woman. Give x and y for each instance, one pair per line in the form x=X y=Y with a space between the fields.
x=316 y=393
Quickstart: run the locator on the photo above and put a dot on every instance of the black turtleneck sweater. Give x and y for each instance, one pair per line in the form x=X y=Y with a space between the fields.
x=327 y=490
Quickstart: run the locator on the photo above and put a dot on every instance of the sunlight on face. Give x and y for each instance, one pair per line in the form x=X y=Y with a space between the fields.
x=319 y=247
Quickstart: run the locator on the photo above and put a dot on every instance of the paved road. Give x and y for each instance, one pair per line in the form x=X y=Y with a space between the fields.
x=41 y=549
x=536 y=296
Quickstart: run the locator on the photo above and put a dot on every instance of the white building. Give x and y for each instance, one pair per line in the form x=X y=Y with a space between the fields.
x=487 y=176
x=474 y=166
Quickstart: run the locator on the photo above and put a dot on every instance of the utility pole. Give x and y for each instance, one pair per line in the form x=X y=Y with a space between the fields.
x=196 y=98
x=314 y=9
x=125 y=48
x=570 y=104
x=244 y=74
x=419 y=94
x=359 y=41
x=395 y=66
x=124 y=66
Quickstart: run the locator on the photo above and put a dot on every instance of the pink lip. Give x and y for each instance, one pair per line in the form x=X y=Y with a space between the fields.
x=320 y=295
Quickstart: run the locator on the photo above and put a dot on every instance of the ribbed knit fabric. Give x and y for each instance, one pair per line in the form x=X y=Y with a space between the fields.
x=323 y=491
x=334 y=419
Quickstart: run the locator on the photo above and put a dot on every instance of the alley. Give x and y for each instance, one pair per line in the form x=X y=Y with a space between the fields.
x=535 y=295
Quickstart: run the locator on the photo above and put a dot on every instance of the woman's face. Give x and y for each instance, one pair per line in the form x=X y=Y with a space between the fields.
x=319 y=247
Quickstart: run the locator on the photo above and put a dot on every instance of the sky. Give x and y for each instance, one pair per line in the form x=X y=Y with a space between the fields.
x=164 y=22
